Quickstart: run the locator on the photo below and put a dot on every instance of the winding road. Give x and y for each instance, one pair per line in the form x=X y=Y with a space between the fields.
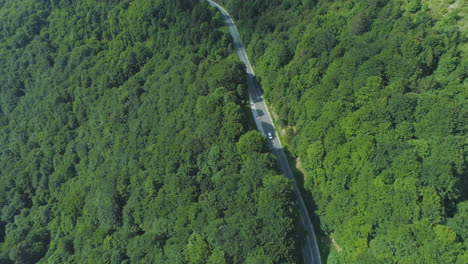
x=265 y=125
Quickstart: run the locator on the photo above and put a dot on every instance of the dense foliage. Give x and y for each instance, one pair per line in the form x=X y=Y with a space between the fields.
x=124 y=139
x=372 y=95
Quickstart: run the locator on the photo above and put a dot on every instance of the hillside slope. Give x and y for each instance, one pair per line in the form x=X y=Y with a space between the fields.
x=123 y=139
x=372 y=100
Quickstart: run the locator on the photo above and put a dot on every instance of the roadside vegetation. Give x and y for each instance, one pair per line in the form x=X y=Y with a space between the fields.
x=122 y=139
x=372 y=96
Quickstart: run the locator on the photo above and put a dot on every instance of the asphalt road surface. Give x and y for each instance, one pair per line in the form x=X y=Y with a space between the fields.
x=265 y=125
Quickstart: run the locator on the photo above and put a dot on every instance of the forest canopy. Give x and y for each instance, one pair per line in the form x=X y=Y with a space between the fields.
x=124 y=135
x=372 y=96
x=124 y=139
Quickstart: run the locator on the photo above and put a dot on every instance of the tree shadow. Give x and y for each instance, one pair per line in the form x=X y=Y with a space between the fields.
x=322 y=238
x=259 y=113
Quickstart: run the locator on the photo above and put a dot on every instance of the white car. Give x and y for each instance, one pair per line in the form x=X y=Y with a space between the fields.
x=270 y=136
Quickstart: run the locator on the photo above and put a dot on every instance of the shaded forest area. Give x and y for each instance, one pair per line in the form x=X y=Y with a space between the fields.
x=372 y=96
x=124 y=140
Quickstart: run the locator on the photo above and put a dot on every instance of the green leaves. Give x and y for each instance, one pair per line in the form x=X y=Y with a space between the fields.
x=123 y=139
x=373 y=103
x=459 y=222
x=251 y=143
x=196 y=251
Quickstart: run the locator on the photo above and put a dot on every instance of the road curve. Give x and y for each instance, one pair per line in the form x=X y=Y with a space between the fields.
x=265 y=125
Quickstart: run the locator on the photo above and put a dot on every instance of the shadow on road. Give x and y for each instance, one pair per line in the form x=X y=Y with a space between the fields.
x=266 y=127
x=254 y=87
x=255 y=93
x=322 y=238
x=260 y=113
